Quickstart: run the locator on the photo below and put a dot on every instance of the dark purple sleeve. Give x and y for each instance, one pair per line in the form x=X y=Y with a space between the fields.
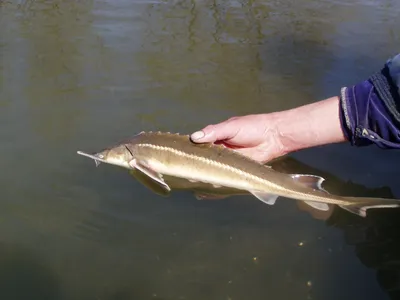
x=370 y=110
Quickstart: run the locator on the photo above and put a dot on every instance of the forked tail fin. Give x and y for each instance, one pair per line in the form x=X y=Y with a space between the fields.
x=360 y=205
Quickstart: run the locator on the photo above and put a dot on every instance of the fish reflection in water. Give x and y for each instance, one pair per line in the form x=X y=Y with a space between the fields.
x=376 y=242
x=376 y=239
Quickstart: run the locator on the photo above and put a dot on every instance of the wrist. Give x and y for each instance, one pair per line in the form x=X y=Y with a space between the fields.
x=309 y=125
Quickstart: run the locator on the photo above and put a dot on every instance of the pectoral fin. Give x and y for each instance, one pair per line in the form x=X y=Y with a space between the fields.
x=149 y=182
x=269 y=199
x=149 y=178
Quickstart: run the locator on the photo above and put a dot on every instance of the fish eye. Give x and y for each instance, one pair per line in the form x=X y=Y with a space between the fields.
x=100 y=156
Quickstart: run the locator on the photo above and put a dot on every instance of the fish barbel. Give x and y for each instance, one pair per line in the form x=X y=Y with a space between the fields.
x=154 y=154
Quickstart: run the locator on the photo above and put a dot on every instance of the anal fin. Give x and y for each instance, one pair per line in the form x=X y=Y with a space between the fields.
x=355 y=209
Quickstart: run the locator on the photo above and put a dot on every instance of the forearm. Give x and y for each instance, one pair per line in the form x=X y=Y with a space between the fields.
x=364 y=114
x=310 y=125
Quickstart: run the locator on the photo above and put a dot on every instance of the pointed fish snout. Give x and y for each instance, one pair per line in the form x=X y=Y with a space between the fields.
x=97 y=160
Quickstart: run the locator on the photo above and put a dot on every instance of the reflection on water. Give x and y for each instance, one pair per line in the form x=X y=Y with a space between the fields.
x=84 y=74
x=376 y=238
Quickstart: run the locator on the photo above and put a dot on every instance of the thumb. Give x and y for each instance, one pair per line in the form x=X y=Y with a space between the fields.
x=213 y=133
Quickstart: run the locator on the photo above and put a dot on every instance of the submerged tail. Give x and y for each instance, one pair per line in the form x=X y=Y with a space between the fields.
x=360 y=205
x=355 y=205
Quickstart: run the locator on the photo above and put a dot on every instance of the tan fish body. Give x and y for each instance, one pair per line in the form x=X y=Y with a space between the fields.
x=154 y=154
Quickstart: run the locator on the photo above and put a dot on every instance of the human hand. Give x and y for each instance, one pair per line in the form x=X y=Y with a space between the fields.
x=255 y=136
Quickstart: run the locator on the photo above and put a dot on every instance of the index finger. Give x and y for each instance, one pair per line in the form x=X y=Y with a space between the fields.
x=213 y=133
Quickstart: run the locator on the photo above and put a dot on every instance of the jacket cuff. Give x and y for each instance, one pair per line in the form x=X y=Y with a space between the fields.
x=370 y=111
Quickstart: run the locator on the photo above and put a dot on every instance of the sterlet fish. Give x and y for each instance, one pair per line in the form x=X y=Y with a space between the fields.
x=153 y=155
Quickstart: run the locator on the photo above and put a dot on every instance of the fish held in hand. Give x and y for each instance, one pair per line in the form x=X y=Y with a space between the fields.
x=153 y=155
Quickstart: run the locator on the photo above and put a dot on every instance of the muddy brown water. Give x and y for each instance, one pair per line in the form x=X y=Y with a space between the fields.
x=84 y=74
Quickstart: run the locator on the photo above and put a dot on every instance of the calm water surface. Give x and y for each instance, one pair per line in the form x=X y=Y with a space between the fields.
x=84 y=74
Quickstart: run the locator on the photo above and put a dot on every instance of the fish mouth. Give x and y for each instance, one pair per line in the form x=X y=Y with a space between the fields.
x=97 y=160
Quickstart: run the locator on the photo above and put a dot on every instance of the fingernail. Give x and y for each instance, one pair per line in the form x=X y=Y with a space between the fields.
x=197 y=135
